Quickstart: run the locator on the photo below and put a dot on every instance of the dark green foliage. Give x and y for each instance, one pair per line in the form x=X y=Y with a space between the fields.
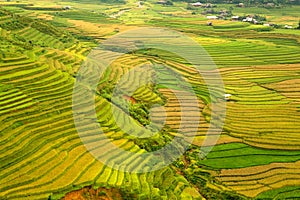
x=199 y=178
x=14 y=24
x=57 y=24
x=19 y=37
x=19 y=22
x=179 y=164
x=45 y=28
x=267 y=28
x=126 y=194
x=102 y=193
x=259 y=18
x=117 y=49
x=154 y=143
x=2 y=13
x=17 y=124
x=5 y=88
x=169 y=3
x=66 y=39
x=84 y=38
x=140 y=112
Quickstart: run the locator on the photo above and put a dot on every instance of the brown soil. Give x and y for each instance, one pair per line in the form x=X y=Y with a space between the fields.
x=129 y=98
x=88 y=193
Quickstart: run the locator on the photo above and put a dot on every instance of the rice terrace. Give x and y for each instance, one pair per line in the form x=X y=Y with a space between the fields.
x=149 y=99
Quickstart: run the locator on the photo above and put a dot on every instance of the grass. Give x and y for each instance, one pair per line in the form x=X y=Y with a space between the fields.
x=285 y=192
x=237 y=155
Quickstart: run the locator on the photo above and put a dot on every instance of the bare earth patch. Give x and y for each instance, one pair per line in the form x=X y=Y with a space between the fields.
x=88 y=193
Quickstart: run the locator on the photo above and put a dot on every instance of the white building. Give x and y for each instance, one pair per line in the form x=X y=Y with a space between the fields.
x=227 y=96
x=287 y=26
x=249 y=19
x=196 y=4
x=235 y=17
x=212 y=17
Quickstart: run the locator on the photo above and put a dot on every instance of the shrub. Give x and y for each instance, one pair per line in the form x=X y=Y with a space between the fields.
x=102 y=193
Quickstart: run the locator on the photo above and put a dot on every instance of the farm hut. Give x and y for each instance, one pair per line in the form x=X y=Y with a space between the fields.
x=163 y=2
x=235 y=17
x=208 y=5
x=67 y=7
x=288 y=27
x=270 y=5
x=240 y=5
x=248 y=19
x=227 y=96
x=212 y=17
x=197 y=4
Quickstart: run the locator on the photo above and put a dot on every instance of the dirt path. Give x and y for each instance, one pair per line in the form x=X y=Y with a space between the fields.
x=121 y=12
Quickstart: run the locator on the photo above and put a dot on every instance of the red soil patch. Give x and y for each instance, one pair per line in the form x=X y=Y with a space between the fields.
x=88 y=193
x=129 y=98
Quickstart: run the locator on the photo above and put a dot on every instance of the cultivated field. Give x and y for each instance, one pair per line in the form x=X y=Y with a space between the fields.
x=43 y=45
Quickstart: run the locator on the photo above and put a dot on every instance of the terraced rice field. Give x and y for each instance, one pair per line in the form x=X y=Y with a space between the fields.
x=42 y=156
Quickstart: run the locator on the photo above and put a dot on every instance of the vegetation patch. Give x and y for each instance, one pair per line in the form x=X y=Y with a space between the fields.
x=238 y=155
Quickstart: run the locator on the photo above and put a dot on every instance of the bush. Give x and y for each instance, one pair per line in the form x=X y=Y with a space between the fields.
x=45 y=28
x=102 y=193
x=169 y=3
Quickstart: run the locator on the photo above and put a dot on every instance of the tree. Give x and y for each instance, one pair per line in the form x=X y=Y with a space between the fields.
x=169 y=3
